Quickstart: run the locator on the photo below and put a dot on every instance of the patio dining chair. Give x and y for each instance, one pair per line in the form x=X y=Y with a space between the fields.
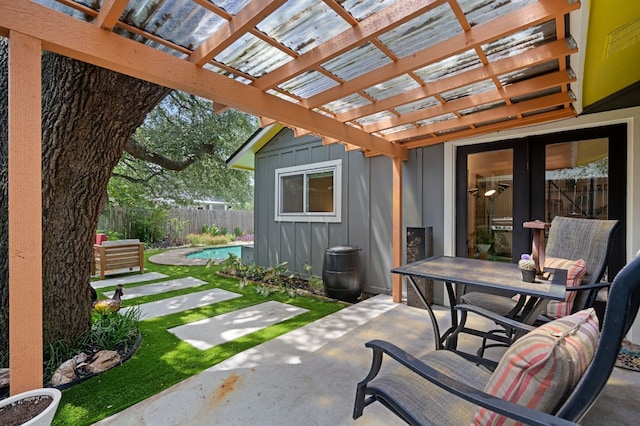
x=570 y=240
x=552 y=375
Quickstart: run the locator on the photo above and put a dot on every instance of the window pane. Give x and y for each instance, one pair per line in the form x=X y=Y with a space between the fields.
x=320 y=191
x=490 y=204
x=577 y=179
x=292 y=193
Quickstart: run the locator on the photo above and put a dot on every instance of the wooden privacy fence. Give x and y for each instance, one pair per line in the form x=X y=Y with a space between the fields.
x=130 y=221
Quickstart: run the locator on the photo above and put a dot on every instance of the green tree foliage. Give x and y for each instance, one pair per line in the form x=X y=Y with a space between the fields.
x=179 y=155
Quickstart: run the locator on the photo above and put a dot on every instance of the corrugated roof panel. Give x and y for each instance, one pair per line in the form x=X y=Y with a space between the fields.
x=471 y=89
x=308 y=84
x=253 y=56
x=303 y=24
x=356 y=62
x=436 y=119
x=68 y=10
x=180 y=21
x=282 y=96
x=432 y=27
x=361 y=9
x=226 y=73
x=482 y=11
x=231 y=6
x=373 y=118
x=530 y=72
x=417 y=105
x=392 y=87
x=348 y=102
x=149 y=42
x=483 y=107
x=397 y=129
x=516 y=43
x=319 y=111
x=449 y=66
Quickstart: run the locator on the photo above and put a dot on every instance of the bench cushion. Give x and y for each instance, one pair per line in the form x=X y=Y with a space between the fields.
x=540 y=369
x=114 y=243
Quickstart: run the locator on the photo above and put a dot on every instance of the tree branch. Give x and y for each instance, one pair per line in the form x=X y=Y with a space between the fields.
x=140 y=152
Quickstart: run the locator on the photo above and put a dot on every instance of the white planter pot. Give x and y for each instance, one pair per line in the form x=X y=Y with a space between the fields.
x=46 y=417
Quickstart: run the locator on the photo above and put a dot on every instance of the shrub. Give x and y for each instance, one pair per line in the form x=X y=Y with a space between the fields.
x=207 y=239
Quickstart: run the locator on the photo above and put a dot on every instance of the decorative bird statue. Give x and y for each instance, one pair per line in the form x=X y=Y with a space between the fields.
x=109 y=305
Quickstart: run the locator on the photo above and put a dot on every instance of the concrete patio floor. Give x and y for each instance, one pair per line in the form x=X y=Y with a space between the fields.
x=308 y=376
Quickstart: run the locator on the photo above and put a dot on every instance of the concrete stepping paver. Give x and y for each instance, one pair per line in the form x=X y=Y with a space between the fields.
x=207 y=333
x=182 y=303
x=157 y=288
x=149 y=276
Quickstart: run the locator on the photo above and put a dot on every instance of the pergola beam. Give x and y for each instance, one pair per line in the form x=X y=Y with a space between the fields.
x=507 y=24
x=486 y=116
x=110 y=12
x=86 y=42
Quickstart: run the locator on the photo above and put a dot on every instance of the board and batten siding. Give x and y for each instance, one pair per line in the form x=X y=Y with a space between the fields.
x=366 y=210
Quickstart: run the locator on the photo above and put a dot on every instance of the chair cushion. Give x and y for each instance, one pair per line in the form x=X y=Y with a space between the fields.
x=575 y=274
x=540 y=369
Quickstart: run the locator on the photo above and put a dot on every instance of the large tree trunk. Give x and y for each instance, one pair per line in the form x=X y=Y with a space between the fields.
x=88 y=114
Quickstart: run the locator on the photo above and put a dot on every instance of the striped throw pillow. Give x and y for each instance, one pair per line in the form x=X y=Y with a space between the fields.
x=575 y=274
x=540 y=369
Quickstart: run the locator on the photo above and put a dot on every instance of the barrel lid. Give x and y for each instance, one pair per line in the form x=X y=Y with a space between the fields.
x=342 y=249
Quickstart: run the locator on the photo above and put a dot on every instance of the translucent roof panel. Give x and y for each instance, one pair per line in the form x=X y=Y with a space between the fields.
x=417 y=105
x=231 y=6
x=449 y=66
x=392 y=87
x=482 y=11
x=69 y=10
x=530 y=72
x=253 y=56
x=534 y=95
x=426 y=30
x=347 y=103
x=437 y=119
x=282 y=96
x=361 y=9
x=373 y=118
x=471 y=89
x=521 y=41
x=227 y=73
x=356 y=62
x=480 y=108
x=151 y=43
x=302 y=25
x=397 y=129
x=308 y=84
x=180 y=21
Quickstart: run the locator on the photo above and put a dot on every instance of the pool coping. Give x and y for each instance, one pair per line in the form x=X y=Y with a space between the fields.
x=178 y=257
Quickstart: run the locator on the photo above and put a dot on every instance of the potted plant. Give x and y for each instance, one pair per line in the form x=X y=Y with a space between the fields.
x=483 y=241
x=33 y=408
x=528 y=268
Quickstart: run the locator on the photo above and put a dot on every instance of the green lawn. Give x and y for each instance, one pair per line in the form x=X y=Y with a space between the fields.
x=162 y=359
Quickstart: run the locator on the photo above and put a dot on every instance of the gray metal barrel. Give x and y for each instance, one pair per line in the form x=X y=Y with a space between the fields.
x=341 y=273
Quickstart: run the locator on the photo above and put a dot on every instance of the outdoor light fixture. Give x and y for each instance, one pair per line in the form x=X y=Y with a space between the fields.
x=499 y=190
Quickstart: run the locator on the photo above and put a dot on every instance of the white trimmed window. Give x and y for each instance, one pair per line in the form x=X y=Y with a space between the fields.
x=309 y=193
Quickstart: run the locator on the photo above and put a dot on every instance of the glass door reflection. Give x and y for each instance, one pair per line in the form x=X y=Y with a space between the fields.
x=490 y=204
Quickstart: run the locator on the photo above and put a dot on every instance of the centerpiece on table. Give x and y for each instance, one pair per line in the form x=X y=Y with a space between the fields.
x=528 y=268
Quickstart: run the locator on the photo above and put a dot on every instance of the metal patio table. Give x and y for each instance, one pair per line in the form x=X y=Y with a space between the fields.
x=460 y=271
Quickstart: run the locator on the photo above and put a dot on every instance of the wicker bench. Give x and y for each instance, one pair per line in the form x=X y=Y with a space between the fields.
x=114 y=256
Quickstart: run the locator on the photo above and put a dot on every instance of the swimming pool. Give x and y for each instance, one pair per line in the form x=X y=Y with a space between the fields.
x=216 y=253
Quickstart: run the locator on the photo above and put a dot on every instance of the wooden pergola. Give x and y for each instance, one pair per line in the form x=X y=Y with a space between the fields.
x=381 y=77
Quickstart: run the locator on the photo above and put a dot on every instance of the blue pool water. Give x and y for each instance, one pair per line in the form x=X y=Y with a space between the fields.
x=216 y=253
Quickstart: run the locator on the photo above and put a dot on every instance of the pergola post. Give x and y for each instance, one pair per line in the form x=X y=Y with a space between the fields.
x=396 y=236
x=25 y=212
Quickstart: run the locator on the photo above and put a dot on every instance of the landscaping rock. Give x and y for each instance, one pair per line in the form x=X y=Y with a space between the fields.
x=66 y=373
x=102 y=361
